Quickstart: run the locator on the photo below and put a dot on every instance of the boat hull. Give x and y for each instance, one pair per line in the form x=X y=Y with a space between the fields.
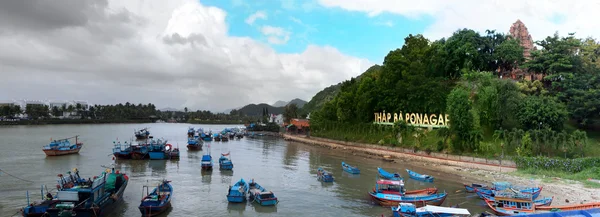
x=584 y=206
x=63 y=152
x=226 y=166
x=418 y=203
x=154 y=211
x=141 y=137
x=105 y=206
x=122 y=155
x=207 y=167
x=194 y=147
x=156 y=155
x=269 y=202
x=236 y=198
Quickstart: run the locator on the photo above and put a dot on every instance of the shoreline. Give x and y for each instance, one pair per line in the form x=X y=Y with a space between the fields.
x=472 y=172
x=101 y=121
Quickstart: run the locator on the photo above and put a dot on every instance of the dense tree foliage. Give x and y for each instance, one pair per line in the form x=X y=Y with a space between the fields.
x=460 y=76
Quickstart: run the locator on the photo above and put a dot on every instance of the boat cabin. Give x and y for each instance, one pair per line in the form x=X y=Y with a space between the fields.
x=390 y=187
x=513 y=206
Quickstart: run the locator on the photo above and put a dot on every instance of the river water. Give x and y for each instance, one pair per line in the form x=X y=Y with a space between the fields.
x=286 y=168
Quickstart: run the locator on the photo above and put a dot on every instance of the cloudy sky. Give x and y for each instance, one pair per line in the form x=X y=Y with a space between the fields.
x=221 y=54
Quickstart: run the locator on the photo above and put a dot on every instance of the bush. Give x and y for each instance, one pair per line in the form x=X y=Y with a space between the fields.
x=566 y=165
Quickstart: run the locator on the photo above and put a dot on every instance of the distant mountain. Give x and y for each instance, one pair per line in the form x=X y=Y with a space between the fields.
x=300 y=103
x=257 y=110
x=279 y=103
x=229 y=110
x=330 y=92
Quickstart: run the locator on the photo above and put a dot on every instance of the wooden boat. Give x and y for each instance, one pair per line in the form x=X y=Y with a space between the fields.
x=139 y=152
x=418 y=200
x=397 y=187
x=237 y=193
x=471 y=187
x=410 y=210
x=38 y=208
x=261 y=195
x=390 y=176
x=191 y=132
x=206 y=162
x=142 y=133
x=224 y=138
x=511 y=206
x=122 y=151
x=173 y=154
x=420 y=177
x=62 y=147
x=534 y=192
x=350 y=169
x=225 y=162
x=538 y=202
x=324 y=176
x=195 y=144
x=158 y=201
x=217 y=137
x=592 y=205
x=92 y=199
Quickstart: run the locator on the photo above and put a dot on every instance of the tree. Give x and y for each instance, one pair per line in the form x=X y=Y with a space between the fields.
x=55 y=111
x=542 y=112
x=509 y=55
x=461 y=125
x=185 y=109
x=290 y=112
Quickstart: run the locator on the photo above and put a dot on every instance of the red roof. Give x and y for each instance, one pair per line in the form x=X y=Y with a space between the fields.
x=389 y=182
x=300 y=123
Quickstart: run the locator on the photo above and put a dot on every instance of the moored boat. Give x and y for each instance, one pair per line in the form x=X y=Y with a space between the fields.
x=397 y=187
x=62 y=147
x=420 y=177
x=410 y=210
x=237 y=193
x=206 y=162
x=419 y=200
x=471 y=187
x=389 y=176
x=158 y=201
x=584 y=206
x=122 y=150
x=324 y=176
x=139 y=152
x=195 y=144
x=259 y=194
x=225 y=162
x=533 y=191
x=217 y=137
x=157 y=149
x=173 y=154
x=91 y=198
x=191 y=132
x=511 y=206
x=350 y=169
x=38 y=208
x=547 y=201
x=142 y=133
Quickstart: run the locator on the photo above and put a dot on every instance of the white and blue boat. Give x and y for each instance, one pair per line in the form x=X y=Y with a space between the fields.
x=389 y=176
x=237 y=193
x=191 y=132
x=350 y=169
x=411 y=210
x=419 y=177
x=158 y=201
x=157 y=149
x=260 y=195
x=225 y=162
x=195 y=143
x=142 y=133
x=324 y=176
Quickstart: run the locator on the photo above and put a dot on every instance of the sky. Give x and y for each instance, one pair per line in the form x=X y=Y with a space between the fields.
x=222 y=54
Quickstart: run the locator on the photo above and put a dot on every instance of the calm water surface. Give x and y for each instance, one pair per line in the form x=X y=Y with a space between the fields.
x=286 y=168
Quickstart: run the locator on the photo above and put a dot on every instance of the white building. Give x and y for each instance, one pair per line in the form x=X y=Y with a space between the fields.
x=278 y=119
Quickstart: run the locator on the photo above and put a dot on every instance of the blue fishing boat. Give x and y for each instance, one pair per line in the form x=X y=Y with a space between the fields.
x=191 y=132
x=225 y=162
x=172 y=153
x=571 y=213
x=217 y=137
x=511 y=206
x=62 y=147
x=261 y=195
x=237 y=193
x=471 y=187
x=410 y=210
x=122 y=150
x=420 y=177
x=195 y=143
x=204 y=136
x=158 y=201
x=157 y=149
x=350 y=169
x=91 y=198
x=324 y=176
x=389 y=176
x=500 y=186
x=142 y=133
x=139 y=151
x=385 y=199
x=547 y=201
x=38 y=208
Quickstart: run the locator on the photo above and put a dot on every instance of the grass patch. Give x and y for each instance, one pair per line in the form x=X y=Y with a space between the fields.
x=550 y=175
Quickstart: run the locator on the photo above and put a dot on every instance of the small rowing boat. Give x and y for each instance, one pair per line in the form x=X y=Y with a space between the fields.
x=237 y=193
x=420 y=177
x=389 y=176
x=261 y=195
x=350 y=169
x=158 y=201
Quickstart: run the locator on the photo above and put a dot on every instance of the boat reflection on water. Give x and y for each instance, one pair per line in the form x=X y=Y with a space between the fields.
x=237 y=207
x=206 y=176
x=264 y=209
x=157 y=165
x=349 y=175
x=134 y=166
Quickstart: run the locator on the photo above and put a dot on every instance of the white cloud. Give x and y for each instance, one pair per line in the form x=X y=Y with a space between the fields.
x=275 y=35
x=448 y=16
x=386 y=23
x=170 y=53
x=257 y=15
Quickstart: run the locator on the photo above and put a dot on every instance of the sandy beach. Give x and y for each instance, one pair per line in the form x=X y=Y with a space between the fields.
x=565 y=192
